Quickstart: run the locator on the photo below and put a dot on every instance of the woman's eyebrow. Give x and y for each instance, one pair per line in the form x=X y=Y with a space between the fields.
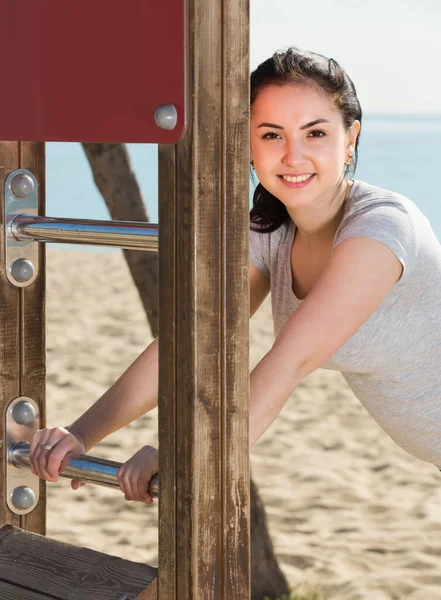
x=311 y=124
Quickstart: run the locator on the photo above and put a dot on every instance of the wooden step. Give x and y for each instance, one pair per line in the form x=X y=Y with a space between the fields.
x=33 y=567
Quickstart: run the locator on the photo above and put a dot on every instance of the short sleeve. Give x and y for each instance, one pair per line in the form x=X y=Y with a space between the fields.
x=388 y=222
x=259 y=251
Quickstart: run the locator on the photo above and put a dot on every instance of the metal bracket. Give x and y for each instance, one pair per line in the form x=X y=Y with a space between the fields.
x=22 y=486
x=21 y=195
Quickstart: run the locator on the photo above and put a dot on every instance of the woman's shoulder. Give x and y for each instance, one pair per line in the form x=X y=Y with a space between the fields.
x=364 y=194
x=386 y=216
x=371 y=202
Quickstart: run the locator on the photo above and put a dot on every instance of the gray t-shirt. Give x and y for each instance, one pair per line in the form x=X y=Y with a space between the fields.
x=393 y=362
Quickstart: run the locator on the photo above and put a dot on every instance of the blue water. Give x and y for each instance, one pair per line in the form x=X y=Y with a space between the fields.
x=399 y=153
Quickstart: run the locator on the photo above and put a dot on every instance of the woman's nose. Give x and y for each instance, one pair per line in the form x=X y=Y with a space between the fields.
x=294 y=153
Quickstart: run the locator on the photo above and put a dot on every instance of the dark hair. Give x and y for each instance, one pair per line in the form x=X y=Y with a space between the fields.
x=295 y=66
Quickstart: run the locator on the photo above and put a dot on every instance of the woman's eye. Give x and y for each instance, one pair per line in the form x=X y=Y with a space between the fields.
x=269 y=136
x=317 y=133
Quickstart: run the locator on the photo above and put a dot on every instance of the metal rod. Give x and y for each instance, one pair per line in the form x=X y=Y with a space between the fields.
x=130 y=235
x=84 y=467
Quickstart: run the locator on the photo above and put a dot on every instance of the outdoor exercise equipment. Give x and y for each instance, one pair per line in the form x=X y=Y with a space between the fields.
x=176 y=73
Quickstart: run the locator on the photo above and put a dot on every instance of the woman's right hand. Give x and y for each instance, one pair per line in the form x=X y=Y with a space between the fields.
x=51 y=449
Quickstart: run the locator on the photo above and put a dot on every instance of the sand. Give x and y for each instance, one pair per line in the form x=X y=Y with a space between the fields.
x=348 y=510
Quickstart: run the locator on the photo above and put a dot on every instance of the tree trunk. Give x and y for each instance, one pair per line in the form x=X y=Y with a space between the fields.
x=117 y=183
x=267 y=579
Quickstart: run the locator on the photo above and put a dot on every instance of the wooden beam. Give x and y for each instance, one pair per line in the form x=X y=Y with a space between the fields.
x=53 y=569
x=204 y=311
x=150 y=592
x=13 y=592
x=22 y=331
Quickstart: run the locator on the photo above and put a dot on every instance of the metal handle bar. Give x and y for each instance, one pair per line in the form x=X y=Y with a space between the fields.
x=84 y=467
x=130 y=235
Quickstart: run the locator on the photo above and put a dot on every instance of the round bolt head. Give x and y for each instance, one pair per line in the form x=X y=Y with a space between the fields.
x=22 y=270
x=123 y=597
x=166 y=116
x=22 y=497
x=22 y=185
x=24 y=413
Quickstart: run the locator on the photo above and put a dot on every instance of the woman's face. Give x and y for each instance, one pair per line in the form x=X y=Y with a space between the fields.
x=297 y=132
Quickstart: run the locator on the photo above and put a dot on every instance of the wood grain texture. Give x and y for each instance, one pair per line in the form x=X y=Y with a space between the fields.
x=9 y=328
x=22 y=331
x=236 y=339
x=203 y=409
x=33 y=326
x=150 y=593
x=13 y=592
x=57 y=570
x=167 y=370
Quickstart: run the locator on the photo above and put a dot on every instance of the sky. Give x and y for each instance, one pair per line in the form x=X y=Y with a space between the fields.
x=390 y=48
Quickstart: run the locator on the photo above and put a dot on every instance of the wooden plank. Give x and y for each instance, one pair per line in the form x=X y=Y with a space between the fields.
x=150 y=593
x=22 y=343
x=236 y=307
x=204 y=289
x=13 y=592
x=58 y=570
x=9 y=329
x=33 y=326
x=200 y=514
x=167 y=369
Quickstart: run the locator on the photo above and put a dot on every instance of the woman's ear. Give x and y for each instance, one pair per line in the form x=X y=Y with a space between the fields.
x=355 y=130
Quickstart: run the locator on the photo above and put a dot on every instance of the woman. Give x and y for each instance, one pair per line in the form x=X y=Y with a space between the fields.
x=354 y=273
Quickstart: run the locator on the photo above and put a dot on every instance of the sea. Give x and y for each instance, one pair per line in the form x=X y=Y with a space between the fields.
x=397 y=152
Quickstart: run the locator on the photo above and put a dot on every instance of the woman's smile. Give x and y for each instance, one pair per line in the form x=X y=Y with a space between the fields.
x=296 y=181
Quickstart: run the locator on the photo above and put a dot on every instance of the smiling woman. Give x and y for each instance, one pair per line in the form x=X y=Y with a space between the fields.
x=289 y=150
x=349 y=265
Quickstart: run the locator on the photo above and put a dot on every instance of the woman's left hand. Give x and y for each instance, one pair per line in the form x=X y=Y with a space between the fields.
x=135 y=474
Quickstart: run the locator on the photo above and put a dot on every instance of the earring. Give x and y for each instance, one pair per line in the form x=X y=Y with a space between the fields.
x=348 y=160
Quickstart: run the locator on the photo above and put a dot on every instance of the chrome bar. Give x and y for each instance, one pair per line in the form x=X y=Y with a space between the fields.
x=129 y=235
x=84 y=467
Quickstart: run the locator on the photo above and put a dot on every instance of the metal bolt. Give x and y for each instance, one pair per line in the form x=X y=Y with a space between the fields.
x=23 y=497
x=22 y=270
x=123 y=597
x=24 y=413
x=166 y=116
x=22 y=185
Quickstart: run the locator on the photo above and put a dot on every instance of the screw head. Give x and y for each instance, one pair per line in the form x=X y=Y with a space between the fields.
x=22 y=270
x=166 y=116
x=22 y=185
x=22 y=497
x=24 y=413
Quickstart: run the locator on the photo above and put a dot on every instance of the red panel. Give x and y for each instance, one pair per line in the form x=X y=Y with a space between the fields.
x=91 y=70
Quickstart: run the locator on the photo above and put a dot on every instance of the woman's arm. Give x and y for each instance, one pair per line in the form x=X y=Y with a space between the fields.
x=359 y=276
x=132 y=395
x=136 y=391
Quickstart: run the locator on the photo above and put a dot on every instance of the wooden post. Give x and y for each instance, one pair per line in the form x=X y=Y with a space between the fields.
x=204 y=312
x=22 y=331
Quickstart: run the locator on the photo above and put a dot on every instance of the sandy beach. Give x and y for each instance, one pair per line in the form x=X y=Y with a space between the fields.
x=348 y=510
